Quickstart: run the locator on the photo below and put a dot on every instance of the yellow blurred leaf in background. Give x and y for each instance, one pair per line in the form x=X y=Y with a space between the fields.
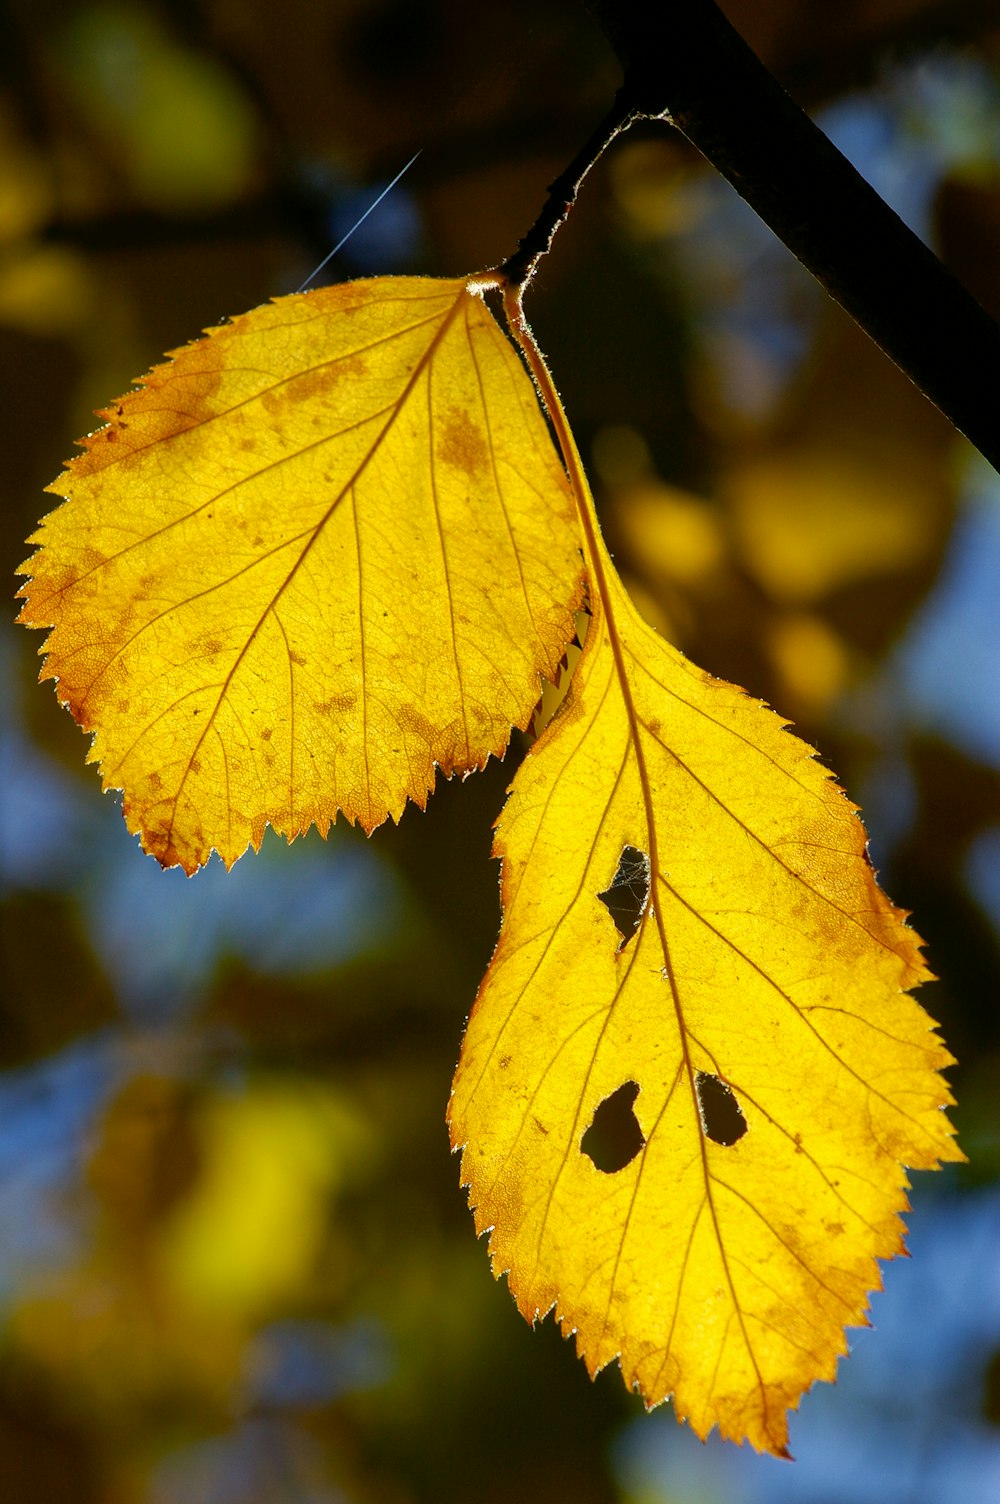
x=179 y=127
x=678 y=536
x=248 y=1234
x=810 y=522
x=45 y=290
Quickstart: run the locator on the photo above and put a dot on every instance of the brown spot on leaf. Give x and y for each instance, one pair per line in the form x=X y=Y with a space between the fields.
x=312 y=385
x=462 y=445
x=411 y=719
x=92 y=558
x=336 y=704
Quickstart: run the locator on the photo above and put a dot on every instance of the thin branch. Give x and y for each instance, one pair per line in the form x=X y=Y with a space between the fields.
x=518 y=269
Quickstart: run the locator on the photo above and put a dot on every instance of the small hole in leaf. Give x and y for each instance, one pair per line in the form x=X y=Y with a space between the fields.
x=614 y=1137
x=628 y=895
x=722 y=1117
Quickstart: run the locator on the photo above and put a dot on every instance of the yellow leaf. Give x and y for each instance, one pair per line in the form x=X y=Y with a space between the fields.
x=813 y=521
x=692 y=1078
x=317 y=553
x=250 y=1231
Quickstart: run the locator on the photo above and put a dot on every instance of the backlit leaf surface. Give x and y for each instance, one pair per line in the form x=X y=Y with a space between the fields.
x=317 y=553
x=328 y=548
x=688 y=1134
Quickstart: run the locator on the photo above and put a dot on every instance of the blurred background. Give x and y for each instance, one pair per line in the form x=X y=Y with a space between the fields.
x=235 y=1263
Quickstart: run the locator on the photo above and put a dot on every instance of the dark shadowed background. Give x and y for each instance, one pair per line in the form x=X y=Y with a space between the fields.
x=235 y=1264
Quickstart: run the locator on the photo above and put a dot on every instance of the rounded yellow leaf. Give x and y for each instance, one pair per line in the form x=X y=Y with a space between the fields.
x=317 y=554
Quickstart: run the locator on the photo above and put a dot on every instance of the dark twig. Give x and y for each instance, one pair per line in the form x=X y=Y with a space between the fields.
x=519 y=268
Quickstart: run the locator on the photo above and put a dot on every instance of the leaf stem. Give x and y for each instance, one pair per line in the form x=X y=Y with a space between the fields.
x=593 y=547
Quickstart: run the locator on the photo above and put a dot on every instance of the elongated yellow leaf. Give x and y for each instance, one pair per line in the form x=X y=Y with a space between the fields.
x=317 y=553
x=696 y=965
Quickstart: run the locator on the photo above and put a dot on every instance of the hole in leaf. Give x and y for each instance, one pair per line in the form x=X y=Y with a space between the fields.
x=614 y=1137
x=628 y=895
x=722 y=1117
